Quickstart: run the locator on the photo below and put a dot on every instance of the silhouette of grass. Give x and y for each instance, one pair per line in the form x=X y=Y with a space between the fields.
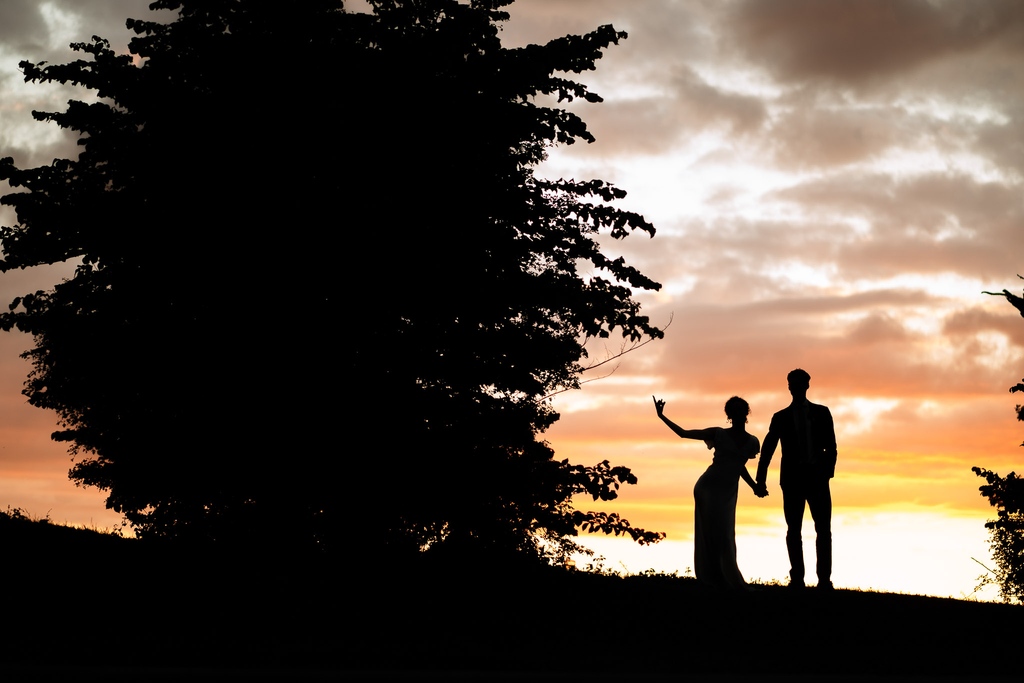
x=85 y=605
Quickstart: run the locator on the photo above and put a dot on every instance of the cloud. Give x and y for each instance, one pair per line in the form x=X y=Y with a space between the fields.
x=932 y=223
x=852 y=44
x=686 y=106
x=807 y=137
x=834 y=184
x=42 y=32
x=967 y=323
x=22 y=24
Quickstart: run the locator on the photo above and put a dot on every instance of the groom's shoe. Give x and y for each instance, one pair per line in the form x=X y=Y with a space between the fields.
x=796 y=585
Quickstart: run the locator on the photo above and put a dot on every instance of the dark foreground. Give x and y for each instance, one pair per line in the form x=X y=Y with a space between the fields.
x=109 y=609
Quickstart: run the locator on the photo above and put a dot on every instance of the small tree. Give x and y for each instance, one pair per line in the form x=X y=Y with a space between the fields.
x=320 y=292
x=1006 y=494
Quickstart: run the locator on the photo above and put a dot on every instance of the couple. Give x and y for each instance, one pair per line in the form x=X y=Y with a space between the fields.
x=808 y=462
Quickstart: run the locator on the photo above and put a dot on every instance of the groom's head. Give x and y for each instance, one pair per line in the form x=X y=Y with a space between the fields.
x=799 y=382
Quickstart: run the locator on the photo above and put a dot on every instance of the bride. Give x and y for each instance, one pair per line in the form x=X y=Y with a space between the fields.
x=714 y=541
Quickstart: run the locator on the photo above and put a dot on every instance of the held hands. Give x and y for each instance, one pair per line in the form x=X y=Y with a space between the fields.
x=760 y=489
x=659 y=406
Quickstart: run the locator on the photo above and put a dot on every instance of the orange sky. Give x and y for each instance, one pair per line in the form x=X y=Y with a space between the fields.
x=833 y=184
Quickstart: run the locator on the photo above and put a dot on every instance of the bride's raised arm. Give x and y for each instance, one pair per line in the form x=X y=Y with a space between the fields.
x=699 y=434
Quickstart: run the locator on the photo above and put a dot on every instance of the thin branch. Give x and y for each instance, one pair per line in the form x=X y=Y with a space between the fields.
x=1015 y=301
x=622 y=352
x=986 y=568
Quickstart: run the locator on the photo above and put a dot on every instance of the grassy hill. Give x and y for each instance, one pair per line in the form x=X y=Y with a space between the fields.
x=82 y=605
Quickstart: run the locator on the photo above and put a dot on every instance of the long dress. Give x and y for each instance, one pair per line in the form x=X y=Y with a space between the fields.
x=714 y=551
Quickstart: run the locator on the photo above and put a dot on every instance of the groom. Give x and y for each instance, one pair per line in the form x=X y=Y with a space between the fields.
x=808 y=462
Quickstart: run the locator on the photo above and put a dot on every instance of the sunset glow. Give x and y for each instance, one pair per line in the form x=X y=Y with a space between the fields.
x=836 y=205
x=833 y=184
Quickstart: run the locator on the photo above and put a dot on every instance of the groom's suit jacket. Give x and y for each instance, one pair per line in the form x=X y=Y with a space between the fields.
x=818 y=463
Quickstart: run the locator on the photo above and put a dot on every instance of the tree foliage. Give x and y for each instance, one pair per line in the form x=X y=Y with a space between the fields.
x=1006 y=495
x=320 y=291
x=1006 y=532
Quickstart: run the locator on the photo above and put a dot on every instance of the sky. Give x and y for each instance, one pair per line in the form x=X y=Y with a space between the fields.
x=833 y=185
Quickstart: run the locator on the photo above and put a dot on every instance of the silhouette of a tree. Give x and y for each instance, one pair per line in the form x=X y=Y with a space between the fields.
x=320 y=292
x=1006 y=494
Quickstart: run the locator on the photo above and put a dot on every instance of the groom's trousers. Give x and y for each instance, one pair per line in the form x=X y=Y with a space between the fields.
x=815 y=493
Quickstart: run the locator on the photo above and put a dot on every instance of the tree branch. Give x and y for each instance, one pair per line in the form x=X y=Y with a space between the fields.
x=622 y=352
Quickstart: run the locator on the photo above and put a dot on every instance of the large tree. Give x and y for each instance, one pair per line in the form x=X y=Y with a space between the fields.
x=321 y=294
x=1006 y=494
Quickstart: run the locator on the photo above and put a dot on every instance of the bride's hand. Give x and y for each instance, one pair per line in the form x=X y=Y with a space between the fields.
x=659 y=406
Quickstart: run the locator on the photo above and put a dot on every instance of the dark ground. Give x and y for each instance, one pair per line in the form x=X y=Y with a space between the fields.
x=88 y=607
